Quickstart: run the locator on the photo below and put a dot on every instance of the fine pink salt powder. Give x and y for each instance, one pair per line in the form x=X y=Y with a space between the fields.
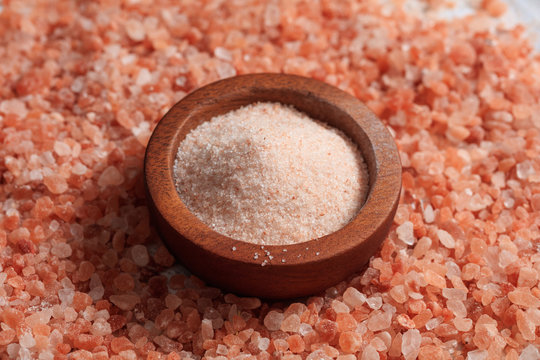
x=268 y=174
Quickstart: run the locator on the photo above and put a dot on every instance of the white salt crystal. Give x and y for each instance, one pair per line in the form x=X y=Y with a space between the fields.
x=353 y=298
x=13 y=350
x=318 y=355
x=339 y=307
x=530 y=353
x=222 y=53
x=305 y=329
x=370 y=353
x=263 y=343
x=429 y=214
x=140 y=256
x=180 y=81
x=506 y=258
x=379 y=320
x=14 y=106
x=454 y=294
x=433 y=323
x=135 y=30
x=222 y=349
x=97 y=293
x=144 y=77
x=61 y=148
x=272 y=15
x=410 y=344
x=66 y=296
x=54 y=225
x=446 y=239
x=457 y=307
x=79 y=169
x=46 y=355
x=405 y=233
x=273 y=320
x=27 y=340
x=110 y=176
x=524 y=170
x=477 y=355
x=374 y=302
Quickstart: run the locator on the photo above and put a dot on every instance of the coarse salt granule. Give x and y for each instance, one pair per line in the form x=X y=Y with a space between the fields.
x=268 y=174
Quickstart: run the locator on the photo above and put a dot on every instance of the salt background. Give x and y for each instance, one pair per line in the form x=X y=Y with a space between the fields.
x=94 y=277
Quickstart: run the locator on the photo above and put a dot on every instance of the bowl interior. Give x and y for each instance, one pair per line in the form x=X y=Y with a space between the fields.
x=312 y=106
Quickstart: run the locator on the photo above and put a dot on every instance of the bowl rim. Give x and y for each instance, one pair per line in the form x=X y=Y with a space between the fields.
x=381 y=200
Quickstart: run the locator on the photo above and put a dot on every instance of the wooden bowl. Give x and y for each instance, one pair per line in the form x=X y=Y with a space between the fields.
x=278 y=271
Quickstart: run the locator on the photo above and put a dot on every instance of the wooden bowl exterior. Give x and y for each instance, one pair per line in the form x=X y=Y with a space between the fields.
x=294 y=270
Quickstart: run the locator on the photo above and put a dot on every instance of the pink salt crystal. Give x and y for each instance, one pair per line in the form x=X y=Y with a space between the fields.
x=273 y=320
x=405 y=233
x=172 y=301
x=353 y=298
x=432 y=278
x=374 y=302
x=139 y=254
x=79 y=169
x=305 y=329
x=422 y=246
x=291 y=323
x=522 y=296
x=144 y=77
x=13 y=350
x=379 y=320
x=295 y=308
x=528 y=277
x=525 y=325
x=135 y=30
x=454 y=294
x=370 y=353
x=56 y=184
x=462 y=324
x=27 y=340
x=346 y=357
x=110 y=177
x=86 y=269
x=446 y=239
x=263 y=343
x=319 y=199
x=207 y=331
x=339 y=307
x=128 y=355
x=433 y=323
x=62 y=250
x=530 y=352
x=125 y=301
x=477 y=355
x=378 y=344
x=398 y=294
x=66 y=296
x=70 y=314
x=61 y=148
x=15 y=107
x=410 y=344
x=100 y=327
x=457 y=307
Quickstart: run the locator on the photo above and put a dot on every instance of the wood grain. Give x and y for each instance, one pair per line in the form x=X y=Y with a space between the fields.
x=295 y=270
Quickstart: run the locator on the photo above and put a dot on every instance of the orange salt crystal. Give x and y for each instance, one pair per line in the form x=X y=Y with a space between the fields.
x=296 y=343
x=350 y=341
x=494 y=7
